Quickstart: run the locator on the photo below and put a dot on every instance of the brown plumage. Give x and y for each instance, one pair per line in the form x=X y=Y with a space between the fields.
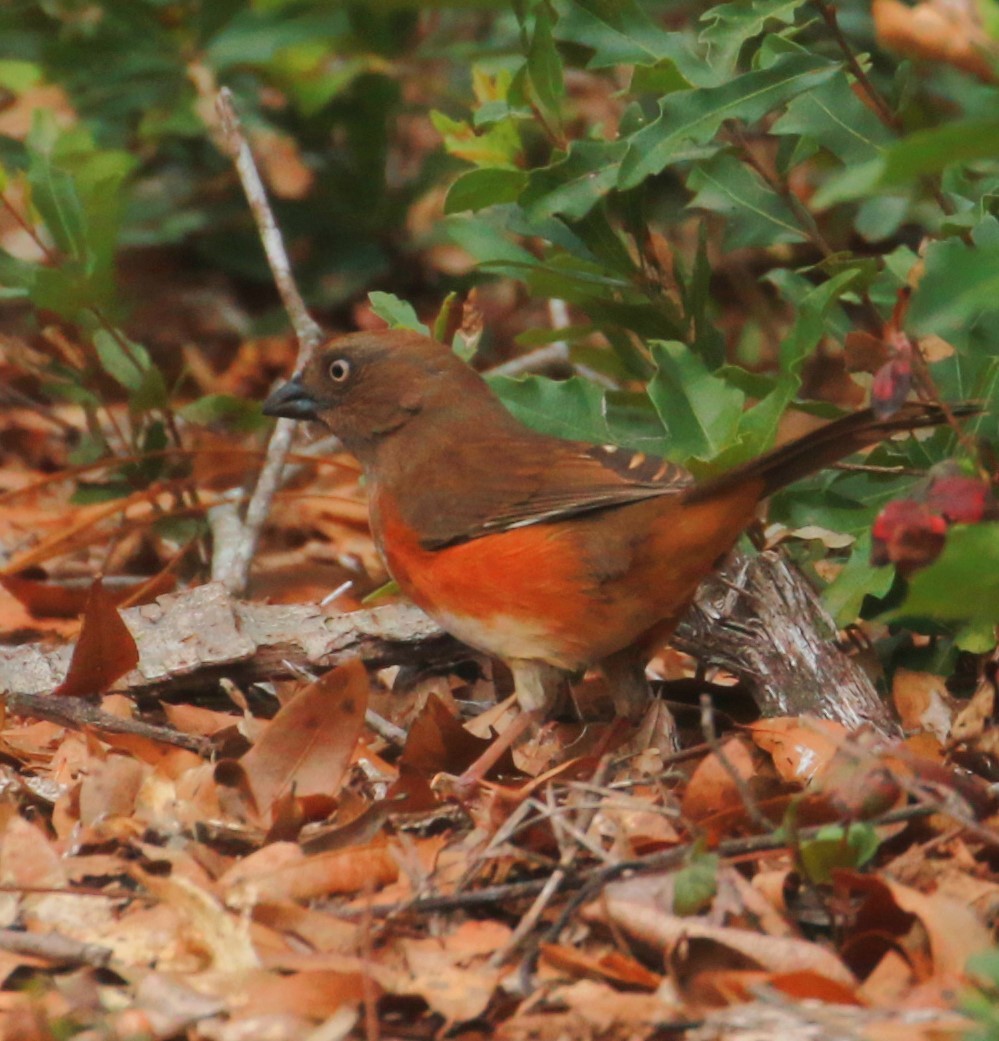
x=548 y=553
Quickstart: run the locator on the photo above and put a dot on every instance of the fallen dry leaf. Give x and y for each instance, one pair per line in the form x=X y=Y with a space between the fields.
x=105 y=650
x=801 y=747
x=922 y=702
x=314 y=994
x=223 y=936
x=936 y=30
x=634 y=907
x=307 y=747
x=457 y=988
x=613 y=966
x=282 y=871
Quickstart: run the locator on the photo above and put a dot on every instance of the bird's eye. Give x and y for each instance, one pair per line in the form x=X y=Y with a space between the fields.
x=339 y=370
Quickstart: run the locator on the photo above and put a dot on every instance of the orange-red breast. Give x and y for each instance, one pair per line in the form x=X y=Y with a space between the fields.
x=547 y=553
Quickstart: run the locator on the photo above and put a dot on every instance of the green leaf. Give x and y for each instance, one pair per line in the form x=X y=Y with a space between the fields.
x=692 y=117
x=621 y=33
x=387 y=589
x=486 y=186
x=486 y=239
x=496 y=145
x=16 y=275
x=89 y=449
x=398 y=313
x=86 y=494
x=815 y=305
x=844 y=596
x=19 y=76
x=918 y=155
x=122 y=359
x=695 y=884
x=579 y=410
x=835 y=118
x=758 y=425
x=755 y=214
x=254 y=37
x=180 y=530
x=963 y=583
x=960 y=285
x=151 y=393
x=659 y=79
x=226 y=410
x=976 y=637
x=835 y=847
x=544 y=66
x=53 y=190
x=575 y=181
x=701 y=412
x=731 y=25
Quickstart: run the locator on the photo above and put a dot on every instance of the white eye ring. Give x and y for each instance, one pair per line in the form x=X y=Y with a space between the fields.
x=339 y=370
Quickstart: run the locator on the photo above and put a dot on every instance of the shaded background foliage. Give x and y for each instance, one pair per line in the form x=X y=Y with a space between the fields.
x=732 y=200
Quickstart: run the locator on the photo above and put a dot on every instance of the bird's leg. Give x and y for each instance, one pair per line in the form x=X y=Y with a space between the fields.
x=537 y=686
x=630 y=691
x=626 y=680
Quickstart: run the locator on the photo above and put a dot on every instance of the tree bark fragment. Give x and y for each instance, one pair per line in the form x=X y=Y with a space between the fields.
x=758 y=619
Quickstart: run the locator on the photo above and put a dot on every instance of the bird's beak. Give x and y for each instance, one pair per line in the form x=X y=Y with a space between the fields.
x=291 y=401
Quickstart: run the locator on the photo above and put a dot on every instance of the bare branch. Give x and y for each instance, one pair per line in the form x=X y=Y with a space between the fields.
x=234 y=571
x=309 y=334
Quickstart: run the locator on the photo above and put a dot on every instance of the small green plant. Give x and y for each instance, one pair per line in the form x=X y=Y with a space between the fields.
x=835 y=846
x=982 y=1003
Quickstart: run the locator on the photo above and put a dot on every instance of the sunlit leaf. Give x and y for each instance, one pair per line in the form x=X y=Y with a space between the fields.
x=399 y=314
x=837 y=847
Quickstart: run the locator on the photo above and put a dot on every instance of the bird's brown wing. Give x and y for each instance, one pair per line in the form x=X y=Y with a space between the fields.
x=565 y=479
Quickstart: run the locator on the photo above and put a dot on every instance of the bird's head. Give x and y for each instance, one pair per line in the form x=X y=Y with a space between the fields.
x=366 y=386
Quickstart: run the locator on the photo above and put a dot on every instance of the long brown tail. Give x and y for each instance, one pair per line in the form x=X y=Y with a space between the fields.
x=830 y=443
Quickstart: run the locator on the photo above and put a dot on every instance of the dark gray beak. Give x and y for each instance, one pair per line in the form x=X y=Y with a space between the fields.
x=291 y=401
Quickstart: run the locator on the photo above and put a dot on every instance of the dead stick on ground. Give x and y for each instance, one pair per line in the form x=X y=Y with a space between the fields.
x=78 y=715
x=527 y=924
x=589 y=882
x=752 y=808
x=235 y=548
x=53 y=947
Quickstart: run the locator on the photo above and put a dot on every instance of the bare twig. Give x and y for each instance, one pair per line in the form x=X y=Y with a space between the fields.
x=555 y=880
x=238 y=557
x=384 y=728
x=79 y=715
x=589 y=882
x=883 y=109
x=756 y=815
x=868 y=468
x=54 y=947
x=306 y=329
x=550 y=356
x=874 y=96
x=553 y=355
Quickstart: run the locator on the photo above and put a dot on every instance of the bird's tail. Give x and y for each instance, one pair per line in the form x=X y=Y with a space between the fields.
x=828 y=444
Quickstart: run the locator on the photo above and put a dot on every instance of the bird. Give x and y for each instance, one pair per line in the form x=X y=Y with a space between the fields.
x=550 y=554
